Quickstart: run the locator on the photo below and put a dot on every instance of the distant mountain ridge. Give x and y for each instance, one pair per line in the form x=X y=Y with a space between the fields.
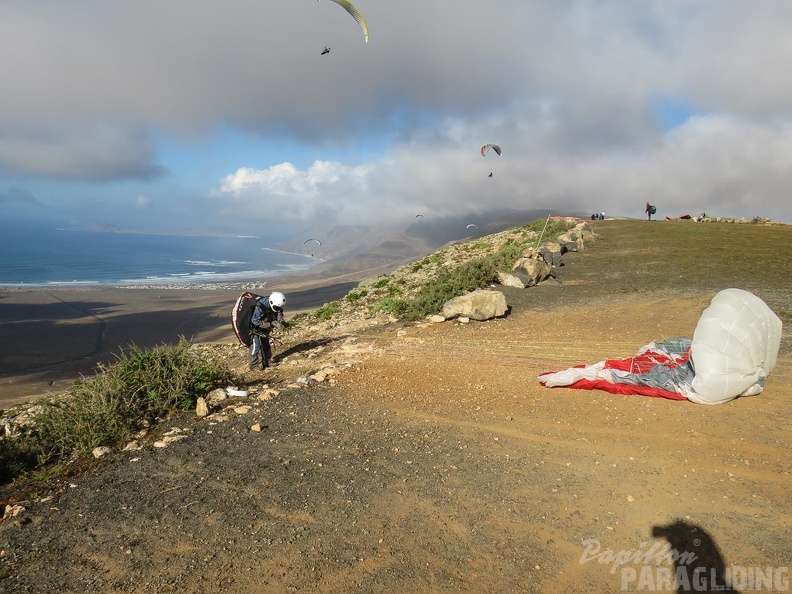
x=348 y=249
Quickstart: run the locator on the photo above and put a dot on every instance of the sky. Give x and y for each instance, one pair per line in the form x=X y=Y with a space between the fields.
x=224 y=117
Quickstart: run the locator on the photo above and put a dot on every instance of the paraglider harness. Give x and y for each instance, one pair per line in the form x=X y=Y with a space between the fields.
x=242 y=318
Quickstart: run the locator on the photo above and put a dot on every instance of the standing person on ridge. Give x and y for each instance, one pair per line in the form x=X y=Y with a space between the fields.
x=267 y=314
x=650 y=210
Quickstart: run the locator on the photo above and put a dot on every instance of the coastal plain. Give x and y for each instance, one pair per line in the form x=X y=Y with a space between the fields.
x=53 y=335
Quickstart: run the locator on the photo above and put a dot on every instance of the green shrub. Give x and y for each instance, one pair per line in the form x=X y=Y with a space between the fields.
x=479 y=245
x=355 y=295
x=507 y=255
x=16 y=456
x=548 y=229
x=449 y=284
x=392 y=306
x=328 y=310
x=382 y=282
x=142 y=386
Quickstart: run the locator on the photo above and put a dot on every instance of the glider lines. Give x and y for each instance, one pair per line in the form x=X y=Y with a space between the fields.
x=356 y=14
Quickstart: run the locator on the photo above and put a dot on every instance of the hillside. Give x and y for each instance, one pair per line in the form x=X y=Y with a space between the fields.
x=383 y=456
x=356 y=249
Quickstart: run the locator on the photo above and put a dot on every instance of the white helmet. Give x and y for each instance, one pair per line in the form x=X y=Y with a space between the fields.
x=277 y=300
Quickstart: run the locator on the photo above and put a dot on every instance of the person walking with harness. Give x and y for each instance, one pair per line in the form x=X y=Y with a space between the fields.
x=267 y=314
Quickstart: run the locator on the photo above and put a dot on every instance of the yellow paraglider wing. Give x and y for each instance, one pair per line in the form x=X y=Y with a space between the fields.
x=350 y=8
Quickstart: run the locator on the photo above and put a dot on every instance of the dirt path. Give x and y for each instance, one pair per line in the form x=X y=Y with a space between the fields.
x=439 y=464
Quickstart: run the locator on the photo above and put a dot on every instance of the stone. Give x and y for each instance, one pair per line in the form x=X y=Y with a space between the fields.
x=318 y=377
x=173 y=438
x=201 y=408
x=509 y=280
x=216 y=396
x=101 y=451
x=481 y=304
x=12 y=511
x=535 y=270
x=268 y=394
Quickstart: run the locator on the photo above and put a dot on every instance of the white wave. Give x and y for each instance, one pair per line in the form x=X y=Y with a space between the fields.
x=210 y=276
x=212 y=262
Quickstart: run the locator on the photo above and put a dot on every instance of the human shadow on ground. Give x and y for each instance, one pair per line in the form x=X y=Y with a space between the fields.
x=698 y=563
x=306 y=346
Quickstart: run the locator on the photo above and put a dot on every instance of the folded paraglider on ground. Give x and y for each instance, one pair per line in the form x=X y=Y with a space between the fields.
x=733 y=349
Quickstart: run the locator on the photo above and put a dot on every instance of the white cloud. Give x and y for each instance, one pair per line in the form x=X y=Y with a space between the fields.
x=564 y=87
x=325 y=191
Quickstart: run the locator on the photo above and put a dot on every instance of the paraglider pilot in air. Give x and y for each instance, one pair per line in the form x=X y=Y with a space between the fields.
x=267 y=314
x=326 y=50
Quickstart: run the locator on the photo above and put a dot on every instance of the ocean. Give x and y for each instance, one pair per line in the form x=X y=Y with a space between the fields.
x=37 y=256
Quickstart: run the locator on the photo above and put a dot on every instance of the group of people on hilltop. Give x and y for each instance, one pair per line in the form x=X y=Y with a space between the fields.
x=650 y=210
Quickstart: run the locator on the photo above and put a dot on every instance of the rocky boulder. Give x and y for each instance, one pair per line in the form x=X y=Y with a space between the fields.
x=510 y=280
x=532 y=270
x=481 y=304
x=552 y=253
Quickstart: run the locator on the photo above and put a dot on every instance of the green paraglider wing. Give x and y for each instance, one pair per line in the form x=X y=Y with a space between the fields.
x=350 y=8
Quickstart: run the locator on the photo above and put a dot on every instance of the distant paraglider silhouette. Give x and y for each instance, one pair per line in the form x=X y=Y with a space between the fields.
x=325 y=51
x=319 y=243
x=472 y=225
x=487 y=148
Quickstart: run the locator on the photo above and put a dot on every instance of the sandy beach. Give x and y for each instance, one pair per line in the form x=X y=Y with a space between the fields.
x=53 y=335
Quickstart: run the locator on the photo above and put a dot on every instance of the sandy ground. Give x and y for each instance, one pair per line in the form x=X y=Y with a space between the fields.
x=440 y=464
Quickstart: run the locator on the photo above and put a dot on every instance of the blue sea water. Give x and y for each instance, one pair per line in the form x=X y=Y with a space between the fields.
x=50 y=256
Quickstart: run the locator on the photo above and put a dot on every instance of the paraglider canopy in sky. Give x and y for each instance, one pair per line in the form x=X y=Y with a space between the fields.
x=352 y=10
x=472 y=226
x=486 y=148
x=312 y=239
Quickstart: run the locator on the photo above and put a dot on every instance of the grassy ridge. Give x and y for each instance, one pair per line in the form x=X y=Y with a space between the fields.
x=683 y=256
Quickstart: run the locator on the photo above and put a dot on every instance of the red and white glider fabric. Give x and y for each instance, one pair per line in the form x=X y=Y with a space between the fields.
x=734 y=348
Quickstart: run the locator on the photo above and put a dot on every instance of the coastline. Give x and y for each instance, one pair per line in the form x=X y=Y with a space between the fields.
x=55 y=334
